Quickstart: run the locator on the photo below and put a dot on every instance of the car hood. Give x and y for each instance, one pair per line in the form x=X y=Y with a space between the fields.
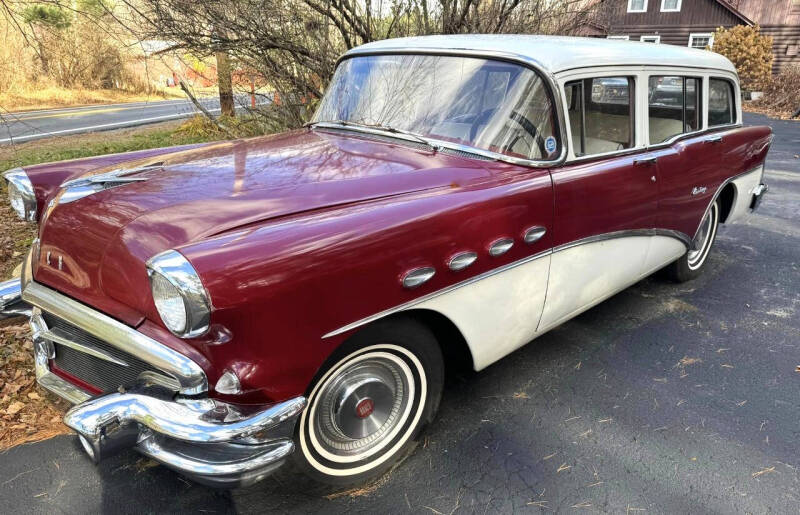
x=97 y=245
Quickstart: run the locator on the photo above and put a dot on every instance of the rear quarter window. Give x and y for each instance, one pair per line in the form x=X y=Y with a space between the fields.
x=721 y=102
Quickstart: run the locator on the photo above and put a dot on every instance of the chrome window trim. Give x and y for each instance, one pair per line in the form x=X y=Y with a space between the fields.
x=495 y=55
x=190 y=375
x=436 y=143
x=683 y=238
x=735 y=99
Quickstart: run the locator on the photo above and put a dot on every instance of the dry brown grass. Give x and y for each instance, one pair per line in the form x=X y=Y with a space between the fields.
x=34 y=97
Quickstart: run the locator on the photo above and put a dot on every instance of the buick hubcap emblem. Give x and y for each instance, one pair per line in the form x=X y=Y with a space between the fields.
x=365 y=407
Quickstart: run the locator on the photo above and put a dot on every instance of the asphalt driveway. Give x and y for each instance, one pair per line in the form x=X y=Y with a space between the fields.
x=666 y=398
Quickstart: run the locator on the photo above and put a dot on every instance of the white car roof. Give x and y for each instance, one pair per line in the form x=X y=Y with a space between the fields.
x=557 y=53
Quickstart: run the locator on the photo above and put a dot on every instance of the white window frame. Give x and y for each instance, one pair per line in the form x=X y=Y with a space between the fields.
x=676 y=10
x=620 y=37
x=709 y=35
x=644 y=7
x=653 y=38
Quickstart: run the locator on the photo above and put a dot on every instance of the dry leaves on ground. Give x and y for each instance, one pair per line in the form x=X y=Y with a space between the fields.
x=27 y=413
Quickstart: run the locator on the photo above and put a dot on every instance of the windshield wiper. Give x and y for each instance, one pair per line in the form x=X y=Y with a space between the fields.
x=378 y=127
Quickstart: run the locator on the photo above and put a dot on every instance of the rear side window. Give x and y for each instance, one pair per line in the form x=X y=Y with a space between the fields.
x=674 y=106
x=600 y=114
x=721 y=109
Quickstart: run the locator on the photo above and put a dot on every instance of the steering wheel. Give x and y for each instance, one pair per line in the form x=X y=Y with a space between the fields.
x=530 y=128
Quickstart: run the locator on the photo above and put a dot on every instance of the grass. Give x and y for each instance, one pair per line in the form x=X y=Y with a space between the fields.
x=111 y=142
x=50 y=97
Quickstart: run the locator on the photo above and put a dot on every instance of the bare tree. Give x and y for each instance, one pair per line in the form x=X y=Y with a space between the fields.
x=294 y=44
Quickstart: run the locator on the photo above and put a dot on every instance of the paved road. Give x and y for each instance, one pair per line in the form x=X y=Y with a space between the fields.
x=666 y=398
x=32 y=125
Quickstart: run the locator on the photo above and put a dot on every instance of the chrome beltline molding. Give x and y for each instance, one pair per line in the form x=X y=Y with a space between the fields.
x=683 y=238
x=190 y=376
x=626 y=234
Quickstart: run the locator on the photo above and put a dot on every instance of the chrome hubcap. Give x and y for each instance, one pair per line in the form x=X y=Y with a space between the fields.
x=701 y=241
x=362 y=404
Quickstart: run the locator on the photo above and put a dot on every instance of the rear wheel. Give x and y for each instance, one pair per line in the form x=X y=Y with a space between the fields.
x=370 y=403
x=690 y=265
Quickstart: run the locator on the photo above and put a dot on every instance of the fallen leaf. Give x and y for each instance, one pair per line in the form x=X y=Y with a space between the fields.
x=15 y=407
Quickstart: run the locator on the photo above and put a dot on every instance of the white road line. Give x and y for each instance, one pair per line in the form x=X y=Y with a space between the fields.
x=102 y=126
x=154 y=103
x=109 y=125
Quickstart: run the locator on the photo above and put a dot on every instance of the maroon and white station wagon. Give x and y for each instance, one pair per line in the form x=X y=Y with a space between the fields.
x=225 y=307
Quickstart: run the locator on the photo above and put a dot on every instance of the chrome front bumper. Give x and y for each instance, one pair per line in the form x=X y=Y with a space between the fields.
x=11 y=303
x=212 y=442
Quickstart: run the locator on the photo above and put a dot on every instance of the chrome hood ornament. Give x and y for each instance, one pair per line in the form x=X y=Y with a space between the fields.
x=76 y=189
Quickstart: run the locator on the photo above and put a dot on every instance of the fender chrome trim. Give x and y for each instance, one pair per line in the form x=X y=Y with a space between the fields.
x=719 y=191
x=420 y=300
x=190 y=376
x=626 y=234
x=683 y=238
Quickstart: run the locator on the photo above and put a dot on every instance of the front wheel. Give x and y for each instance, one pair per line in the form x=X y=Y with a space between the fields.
x=369 y=404
x=690 y=265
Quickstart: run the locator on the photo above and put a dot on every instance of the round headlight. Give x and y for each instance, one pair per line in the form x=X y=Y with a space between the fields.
x=169 y=303
x=178 y=294
x=20 y=194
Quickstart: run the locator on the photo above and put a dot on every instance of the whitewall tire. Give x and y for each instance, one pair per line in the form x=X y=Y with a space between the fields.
x=690 y=265
x=369 y=403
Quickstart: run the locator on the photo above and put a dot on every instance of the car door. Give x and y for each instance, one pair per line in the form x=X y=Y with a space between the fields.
x=604 y=201
x=687 y=163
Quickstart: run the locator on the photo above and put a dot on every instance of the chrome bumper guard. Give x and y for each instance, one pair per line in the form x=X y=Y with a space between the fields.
x=11 y=303
x=211 y=442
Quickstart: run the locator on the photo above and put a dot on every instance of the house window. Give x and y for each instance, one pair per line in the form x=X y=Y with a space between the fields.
x=600 y=114
x=674 y=107
x=637 y=6
x=670 y=6
x=650 y=39
x=622 y=38
x=701 y=41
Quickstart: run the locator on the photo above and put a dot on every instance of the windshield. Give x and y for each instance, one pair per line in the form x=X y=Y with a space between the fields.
x=491 y=105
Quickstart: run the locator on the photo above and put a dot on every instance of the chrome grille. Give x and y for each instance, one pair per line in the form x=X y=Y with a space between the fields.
x=104 y=374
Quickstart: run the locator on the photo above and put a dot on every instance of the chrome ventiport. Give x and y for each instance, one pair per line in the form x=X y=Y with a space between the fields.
x=461 y=260
x=500 y=247
x=418 y=277
x=534 y=234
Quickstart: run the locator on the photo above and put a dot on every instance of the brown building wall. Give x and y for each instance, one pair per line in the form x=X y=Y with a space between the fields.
x=778 y=18
x=785 y=45
x=693 y=13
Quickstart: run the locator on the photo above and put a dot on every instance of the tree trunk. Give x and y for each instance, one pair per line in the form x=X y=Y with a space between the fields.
x=225 y=84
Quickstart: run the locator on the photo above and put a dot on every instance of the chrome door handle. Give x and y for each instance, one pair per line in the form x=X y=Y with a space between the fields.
x=713 y=139
x=645 y=161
